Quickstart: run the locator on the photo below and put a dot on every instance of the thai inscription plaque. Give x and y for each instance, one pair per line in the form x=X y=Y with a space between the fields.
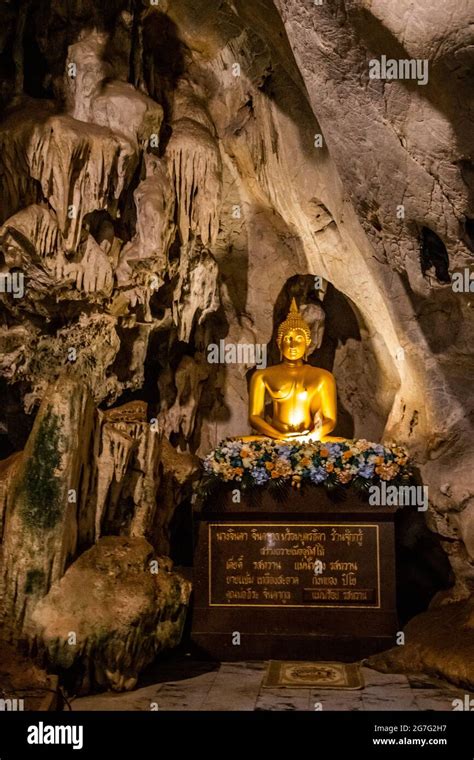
x=294 y=565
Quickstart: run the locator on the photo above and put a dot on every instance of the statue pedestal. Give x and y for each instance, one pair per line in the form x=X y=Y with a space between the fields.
x=306 y=578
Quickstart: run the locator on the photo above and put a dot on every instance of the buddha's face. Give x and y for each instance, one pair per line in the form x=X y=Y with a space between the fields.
x=293 y=345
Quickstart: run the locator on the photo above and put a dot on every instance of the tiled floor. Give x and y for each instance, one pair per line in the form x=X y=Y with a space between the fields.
x=187 y=685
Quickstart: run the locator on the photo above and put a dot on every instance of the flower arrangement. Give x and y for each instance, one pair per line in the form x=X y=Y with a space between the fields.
x=247 y=464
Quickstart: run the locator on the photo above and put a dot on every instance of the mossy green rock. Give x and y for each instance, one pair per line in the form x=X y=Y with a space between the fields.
x=47 y=500
x=40 y=485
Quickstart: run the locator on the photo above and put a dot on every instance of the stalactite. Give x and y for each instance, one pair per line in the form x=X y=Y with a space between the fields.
x=196 y=169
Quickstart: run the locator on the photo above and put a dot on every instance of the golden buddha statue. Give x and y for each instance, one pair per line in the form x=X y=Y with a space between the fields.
x=303 y=396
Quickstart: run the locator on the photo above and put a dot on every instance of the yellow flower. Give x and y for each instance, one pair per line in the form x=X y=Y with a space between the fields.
x=269 y=465
x=347 y=455
x=329 y=467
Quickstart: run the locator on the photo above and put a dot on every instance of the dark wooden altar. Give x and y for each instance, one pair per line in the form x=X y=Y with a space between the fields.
x=305 y=578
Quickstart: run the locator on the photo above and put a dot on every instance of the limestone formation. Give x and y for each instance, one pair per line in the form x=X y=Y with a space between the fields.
x=127 y=472
x=181 y=417
x=170 y=176
x=114 y=610
x=196 y=295
x=8 y=469
x=46 y=493
x=179 y=474
x=439 y=642
x=195 y=166
x=82 y=476
x=155 y=206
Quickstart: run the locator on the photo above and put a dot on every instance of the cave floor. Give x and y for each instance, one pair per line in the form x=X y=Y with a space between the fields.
x=189 y=685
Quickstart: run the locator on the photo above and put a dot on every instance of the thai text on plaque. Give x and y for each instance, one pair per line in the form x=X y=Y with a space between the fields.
x=294 y=565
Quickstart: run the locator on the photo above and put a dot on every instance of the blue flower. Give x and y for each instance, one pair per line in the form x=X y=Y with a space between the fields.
x=318 y=474
x=367 y=471
x=260 y=475
x=283 y=451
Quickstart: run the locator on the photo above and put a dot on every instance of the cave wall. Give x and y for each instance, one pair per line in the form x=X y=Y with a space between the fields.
x=163 y=180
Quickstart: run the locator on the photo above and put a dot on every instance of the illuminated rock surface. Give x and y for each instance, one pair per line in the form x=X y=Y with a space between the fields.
x=169 y=177
x=122 y=610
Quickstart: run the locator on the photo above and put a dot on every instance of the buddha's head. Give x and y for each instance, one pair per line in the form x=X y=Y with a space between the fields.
x=294 y=335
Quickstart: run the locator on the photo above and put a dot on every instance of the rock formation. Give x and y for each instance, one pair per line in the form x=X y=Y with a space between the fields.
x=92 y=479
x=169 y=176
x=439 y=642
x=47 y=492
x=114 y=610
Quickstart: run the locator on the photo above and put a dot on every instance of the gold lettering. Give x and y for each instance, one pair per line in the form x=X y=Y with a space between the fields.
x=235 y=564
x=307 y=565
x=338 y=565
x=277 y=595
x=356 y=596
x=245 y=594
x=239 y=579
x=324 y=580
x=277 y=580
x=348 y=536
x=294 y=551
x=349 y=579
x=231 y=535
x=262 y=565
x=326 y=595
